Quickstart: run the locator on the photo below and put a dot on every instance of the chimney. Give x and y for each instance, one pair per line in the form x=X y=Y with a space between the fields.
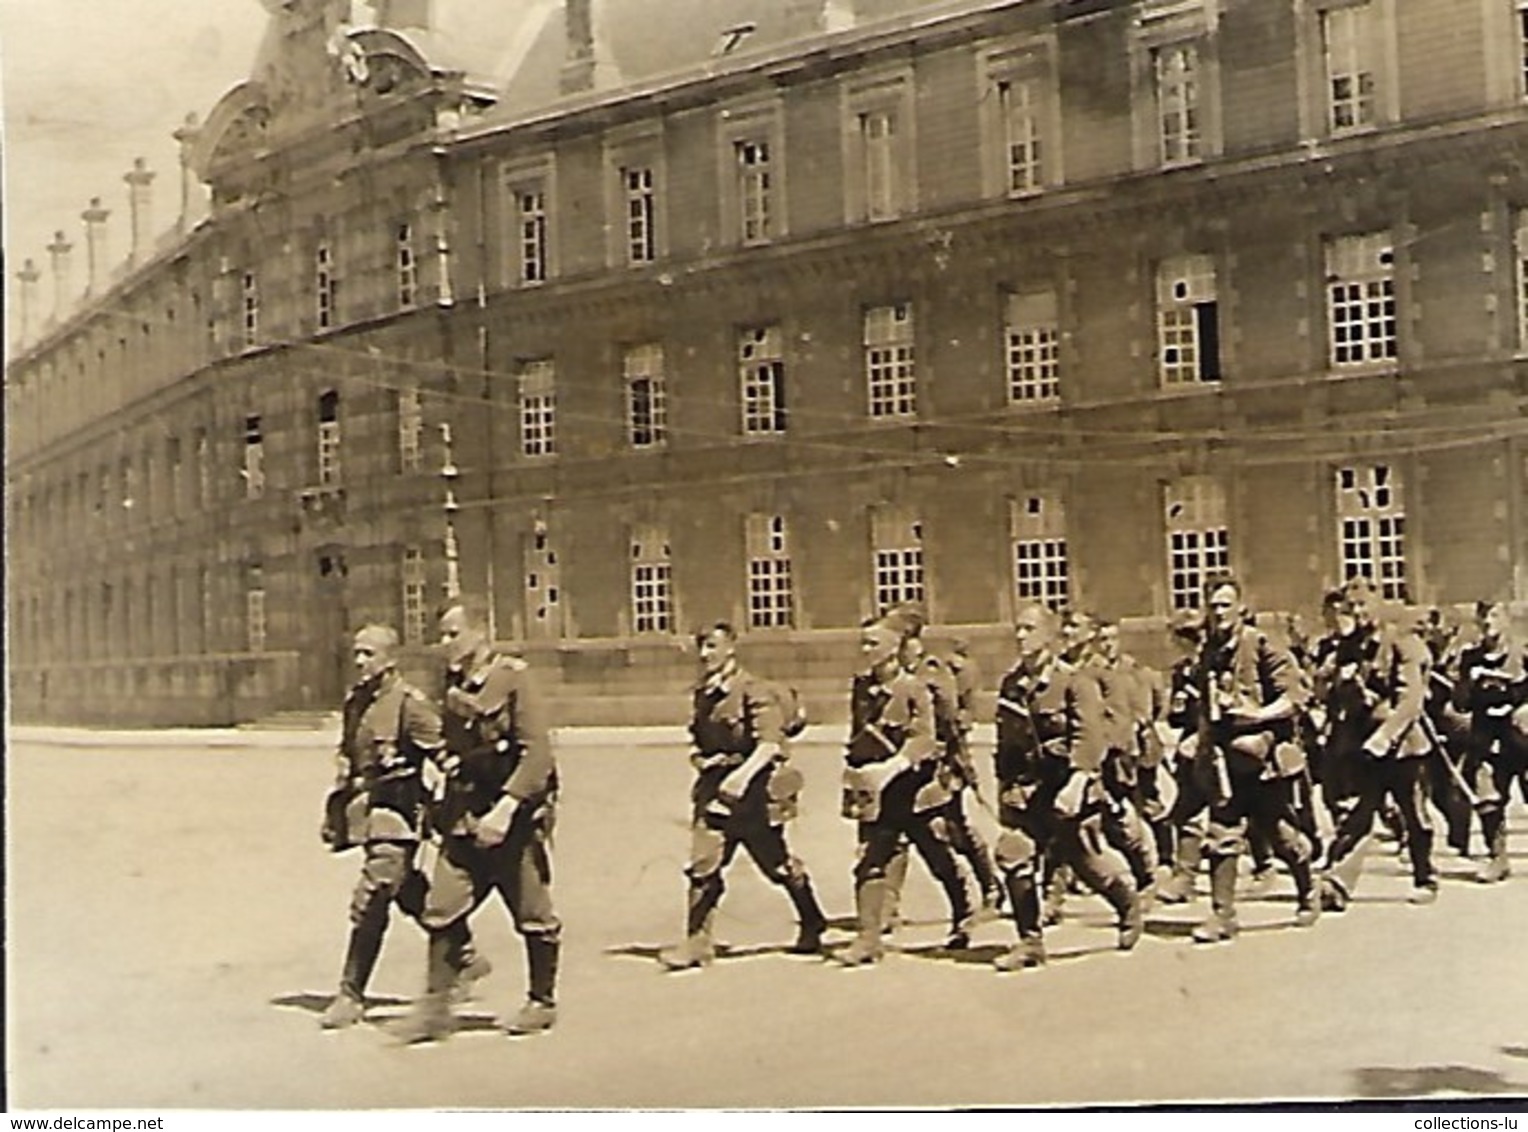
x=185 y=136
x=58 y=254
x=578 y=59
x=28 y=277
x=95 y=242
x=139 y=197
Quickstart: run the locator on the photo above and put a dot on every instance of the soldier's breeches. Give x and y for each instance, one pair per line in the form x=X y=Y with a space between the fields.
x=1124 y=829
x=969 y=843
x=1402 y=780
x=383 y=871
x=519 y=869
x=1082 y=845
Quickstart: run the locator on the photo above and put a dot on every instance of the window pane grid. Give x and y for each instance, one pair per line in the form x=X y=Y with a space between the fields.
x=650 y=597
x=878 y=138
x=1350 y=78
x=1372 y=528
x=538 y=410
x=761 y=375
x=754 y=183
x=898 y=576
x=1178 y=103
x=410 y=429
x=414 y=601
x=533 y=235
x=1021 y=136
x=1033 y=364
x=324 y=286
x=770 y=600
x=407 y=266
x=889 y=366
x=1361 y=291
x=251 y=309
x=1040 y=571
x=646 y=397
x=640 y=242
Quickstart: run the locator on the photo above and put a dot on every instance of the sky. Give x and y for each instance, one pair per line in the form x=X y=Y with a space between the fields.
x=88 y=85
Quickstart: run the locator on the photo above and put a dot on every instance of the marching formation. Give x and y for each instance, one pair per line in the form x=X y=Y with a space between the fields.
x=1110 y=776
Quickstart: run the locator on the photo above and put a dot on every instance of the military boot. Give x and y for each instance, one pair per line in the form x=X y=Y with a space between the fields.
x=870 y=900
x=476 y=969
x=1025 y=954
x=430 y=1020
x=1221 y=925
x=696 y=951
x=344 y=1011
x=811 y=920
x=1495 y=868
x=535 y=1017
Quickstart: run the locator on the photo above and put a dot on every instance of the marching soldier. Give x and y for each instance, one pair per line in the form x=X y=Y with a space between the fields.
x=1135 y=695
x=1250 y=690
x=892 y=786
x=496 y=822
x=1492 y=687
x=745 y=791
x=1450 y=731
x=1375 y=695
x=1052 y=738
x=1187 y=819
x=390 y=731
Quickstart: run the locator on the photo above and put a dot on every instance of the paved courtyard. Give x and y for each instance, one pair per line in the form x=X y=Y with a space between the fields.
x=175 y=928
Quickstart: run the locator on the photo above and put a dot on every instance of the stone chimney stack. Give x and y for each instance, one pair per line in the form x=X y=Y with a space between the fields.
x=140 y=180
x=578 y=61
x=185 y=136
x=58 y=255
x=28 y=277
x=95 y=242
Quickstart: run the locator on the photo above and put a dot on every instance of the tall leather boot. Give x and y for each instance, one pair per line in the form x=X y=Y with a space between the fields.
x=539 y=1013
x=698 y=949
x=1307 y=900
x=1221 y=924
x=1496 y=867
x=366 y=936
x=870 y=901
x=1190 y=855
x=1130 y=906
x=811 y=920
x=896 y=877
x=1024 y=903
x=431 y=1019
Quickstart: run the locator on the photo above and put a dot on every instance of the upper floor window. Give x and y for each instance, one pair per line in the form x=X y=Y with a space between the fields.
x=538 y=408
x=415 y=605
x=1176 y=70
x=1360 y=278
x=405 y=265
x=1188 y=321
x=751 y=141
x=250 y=298
x=640 y=188
x=324 y=286
x=329 y=438
x=646 y=396
x=1520 y=30
x=1032 y=348
x=1354 y=53
x=254 y=608
x=529 y=186
x=879 y=148
x=890 y=375
x=410 y=429
x=755 y=191
x=1520 y=262
x=761 y=377
x=897 y=545
x=1020 y=112
x=254 y=459
x=530 y=205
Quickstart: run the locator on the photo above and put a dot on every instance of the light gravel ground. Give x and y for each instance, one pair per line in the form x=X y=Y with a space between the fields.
x=175 y=929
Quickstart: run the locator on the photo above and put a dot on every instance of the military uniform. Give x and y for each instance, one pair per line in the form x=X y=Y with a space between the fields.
x=389 y=731
x=1187 y=819
x=735 y=715
x=1492 y=686
x=498 y=748
x=1239 y=762
x=1375 y=695
x=894 y=791
x=1451 y=735
x=1052 y=740
x=1133 y=698
x=952 y=723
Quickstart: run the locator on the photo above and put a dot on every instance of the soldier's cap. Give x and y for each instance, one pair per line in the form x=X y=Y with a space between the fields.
x=1332 y=599
x=378 y=638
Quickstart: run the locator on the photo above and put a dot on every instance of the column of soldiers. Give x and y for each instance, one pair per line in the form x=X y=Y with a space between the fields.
x=1109 y=775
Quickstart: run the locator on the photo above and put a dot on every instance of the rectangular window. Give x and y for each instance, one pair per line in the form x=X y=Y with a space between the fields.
x=1522 y=47
x=254 y=609
x=761 y=373
x=890 y=376
x=1198 y=541
x=1176 y=70
x=414 y=602
x=250 y=292
x=406 y=266
x=755 y=185
x=641 y=215
x=898 y=558
x=530 y=207
x=1188 y=321
x=329 y=438
x=646 y=399
x=771 y=599
x=651 y=600
x=1020 y=111
x=878 y=155
x=1348 y=37
x=1032 y=338
x=1360 y=276
x=538 y=409
x=1520 y=258
x=324 y=286
x=1038 y=528
x=410 y=429
x=1371 y=517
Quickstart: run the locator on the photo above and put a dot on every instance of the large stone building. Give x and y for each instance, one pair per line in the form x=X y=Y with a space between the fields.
x=778 y=311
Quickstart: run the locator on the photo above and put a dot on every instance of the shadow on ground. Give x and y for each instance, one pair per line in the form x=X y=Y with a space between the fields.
x=1425 y=1080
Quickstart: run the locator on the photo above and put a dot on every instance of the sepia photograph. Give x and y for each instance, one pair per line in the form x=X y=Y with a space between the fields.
x=780 y=555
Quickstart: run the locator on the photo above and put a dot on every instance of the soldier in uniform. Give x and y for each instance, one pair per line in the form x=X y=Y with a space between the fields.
x=1136 y=699
x=496 y=821
x=1052 y=739
x=1492 y=686
x=390 y=732
x=1187 y=818
x=1450 y=731
x=892 y=787
x=1374 y=706
x=745 y=791
x=1251 y=691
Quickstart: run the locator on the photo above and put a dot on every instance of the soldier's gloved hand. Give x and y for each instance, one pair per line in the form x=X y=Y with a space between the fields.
x=493 y=826
x=1069 y=801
